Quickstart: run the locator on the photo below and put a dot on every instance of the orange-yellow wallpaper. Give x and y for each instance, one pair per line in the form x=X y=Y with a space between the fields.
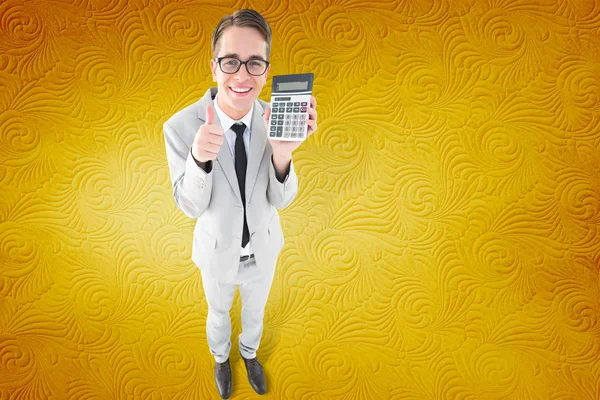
x=445 y=242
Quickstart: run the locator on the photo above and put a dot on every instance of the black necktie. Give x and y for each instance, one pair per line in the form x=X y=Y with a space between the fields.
x=240 y=171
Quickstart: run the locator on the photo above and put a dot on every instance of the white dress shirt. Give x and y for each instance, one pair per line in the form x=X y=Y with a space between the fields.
x=230 y=136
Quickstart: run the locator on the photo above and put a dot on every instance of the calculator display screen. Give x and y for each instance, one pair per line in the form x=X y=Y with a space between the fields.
x=284 y=86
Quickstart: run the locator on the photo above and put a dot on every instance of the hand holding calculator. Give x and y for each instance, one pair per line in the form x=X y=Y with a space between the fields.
x=290 y=100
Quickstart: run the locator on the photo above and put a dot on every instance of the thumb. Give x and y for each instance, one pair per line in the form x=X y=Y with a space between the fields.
x=210 y=115
x=267 y=115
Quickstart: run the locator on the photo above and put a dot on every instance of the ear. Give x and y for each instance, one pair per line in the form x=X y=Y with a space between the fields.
x=267 y=71
x=213 y=67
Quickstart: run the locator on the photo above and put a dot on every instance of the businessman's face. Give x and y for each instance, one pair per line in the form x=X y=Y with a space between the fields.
x=238 y=91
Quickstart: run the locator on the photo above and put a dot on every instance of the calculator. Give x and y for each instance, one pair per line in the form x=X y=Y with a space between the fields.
x=290 y=99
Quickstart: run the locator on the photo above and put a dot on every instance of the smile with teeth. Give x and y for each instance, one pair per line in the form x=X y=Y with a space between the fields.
x=240 y=90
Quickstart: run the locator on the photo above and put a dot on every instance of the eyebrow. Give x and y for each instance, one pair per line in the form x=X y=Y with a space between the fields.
x=236 y=55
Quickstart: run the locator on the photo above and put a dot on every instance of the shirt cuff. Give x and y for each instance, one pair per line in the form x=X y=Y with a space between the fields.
x=207 y=166
x=279 y=177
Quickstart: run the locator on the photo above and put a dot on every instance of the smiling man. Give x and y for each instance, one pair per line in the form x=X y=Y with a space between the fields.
x=227 y=173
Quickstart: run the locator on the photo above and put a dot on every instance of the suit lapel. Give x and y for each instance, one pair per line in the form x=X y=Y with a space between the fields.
x=224 y=157
x=258 y=140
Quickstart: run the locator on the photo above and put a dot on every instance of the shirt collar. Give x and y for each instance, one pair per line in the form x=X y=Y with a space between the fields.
x=227 y=122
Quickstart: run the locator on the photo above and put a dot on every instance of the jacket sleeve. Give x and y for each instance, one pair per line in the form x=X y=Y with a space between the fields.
x=281 y=194
x=192 y=186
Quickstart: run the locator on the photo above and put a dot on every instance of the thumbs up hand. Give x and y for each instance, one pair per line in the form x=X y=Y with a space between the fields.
x=209 y=138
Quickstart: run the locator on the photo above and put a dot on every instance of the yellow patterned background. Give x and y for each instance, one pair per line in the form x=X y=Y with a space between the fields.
x=444 y=244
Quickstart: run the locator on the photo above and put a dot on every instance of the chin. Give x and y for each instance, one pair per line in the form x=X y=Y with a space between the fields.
x=241 y=105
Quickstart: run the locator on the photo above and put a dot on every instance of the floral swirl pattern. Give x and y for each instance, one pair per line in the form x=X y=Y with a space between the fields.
x=444 y=243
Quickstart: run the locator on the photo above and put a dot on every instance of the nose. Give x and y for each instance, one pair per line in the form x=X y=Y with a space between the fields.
x=242 y=73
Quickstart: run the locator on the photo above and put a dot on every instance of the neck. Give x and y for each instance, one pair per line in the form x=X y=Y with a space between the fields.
x=231 y=113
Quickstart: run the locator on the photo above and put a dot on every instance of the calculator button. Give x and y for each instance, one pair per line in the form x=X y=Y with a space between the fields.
x=279 y=132
x=275 y=110
x=288 y=110
x=304 y=104
x=303 y=109
x=297 y=104
x=279 y=123
x=273 y=128
x=296 y=110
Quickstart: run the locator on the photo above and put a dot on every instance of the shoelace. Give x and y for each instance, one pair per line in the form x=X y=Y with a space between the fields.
x=221 y=366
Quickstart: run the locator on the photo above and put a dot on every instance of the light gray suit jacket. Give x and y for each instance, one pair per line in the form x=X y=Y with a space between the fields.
x=214 y=197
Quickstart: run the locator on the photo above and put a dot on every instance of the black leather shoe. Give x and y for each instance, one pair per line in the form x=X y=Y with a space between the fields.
x=256 y=376
x=223 y=379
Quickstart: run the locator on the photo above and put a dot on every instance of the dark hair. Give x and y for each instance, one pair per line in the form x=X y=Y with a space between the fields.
x=243 y=18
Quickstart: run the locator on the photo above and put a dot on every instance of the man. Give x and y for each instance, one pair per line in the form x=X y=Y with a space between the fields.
x=227 y=173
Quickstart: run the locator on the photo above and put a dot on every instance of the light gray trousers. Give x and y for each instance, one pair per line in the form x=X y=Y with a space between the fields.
x=254 y=285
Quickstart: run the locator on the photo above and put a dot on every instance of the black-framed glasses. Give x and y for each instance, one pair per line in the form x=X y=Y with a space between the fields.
x=231 y=65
